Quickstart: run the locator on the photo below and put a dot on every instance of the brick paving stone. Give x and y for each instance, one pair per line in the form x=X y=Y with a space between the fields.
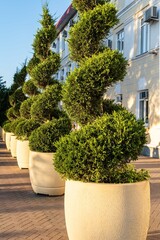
x=25 y=215
x=153 y=166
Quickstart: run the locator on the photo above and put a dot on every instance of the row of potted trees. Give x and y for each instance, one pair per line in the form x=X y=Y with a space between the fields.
x=39 y=122
x=105 y=196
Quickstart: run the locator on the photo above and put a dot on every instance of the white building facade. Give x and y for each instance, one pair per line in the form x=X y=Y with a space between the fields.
x=137 y=37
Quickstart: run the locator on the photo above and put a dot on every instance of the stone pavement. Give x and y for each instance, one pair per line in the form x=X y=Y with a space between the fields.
x=153 y=165
x=25 y=215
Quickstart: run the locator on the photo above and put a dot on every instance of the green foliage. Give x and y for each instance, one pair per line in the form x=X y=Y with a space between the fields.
x=24 y=129
x=43 y=138
x=29 y=88
x=25 y=107
x=108 y=106
x=19 y=78
x=86 y=36
x=42 y=73
x=85 y=86
x=17 y=97
x=128 y=174
x=32 y=63
x=85 y=5
x=11 y=115
x=7 y=126
x=100 y=151
x=14 y=124
x=44 y=36
x=4 y=102
x=46 y=105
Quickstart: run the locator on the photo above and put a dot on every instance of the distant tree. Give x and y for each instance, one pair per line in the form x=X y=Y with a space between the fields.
x=19 y=78
x=16 y=95
x=4 y=103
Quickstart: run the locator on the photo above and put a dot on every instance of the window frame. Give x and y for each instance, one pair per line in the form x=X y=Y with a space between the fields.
x=120 y=41
x=144 y=40
x=144 y=105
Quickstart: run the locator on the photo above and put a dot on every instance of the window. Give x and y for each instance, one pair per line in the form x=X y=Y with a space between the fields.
x=68 y=69
x=62 y=75
x=119 y=98
x=144 y=37
x=143 y=105
x=120 y=41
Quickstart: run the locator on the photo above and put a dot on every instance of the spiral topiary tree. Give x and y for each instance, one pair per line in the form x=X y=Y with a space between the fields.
x=16 y=95
x=97 y=152
x=108 y=139
x=99 y=66
x=42 y=68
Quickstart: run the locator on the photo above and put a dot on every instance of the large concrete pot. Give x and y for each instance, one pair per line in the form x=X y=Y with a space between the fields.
x=23 y=153
x=3 y=135
x=107 y=211
x=0 y=132
x=44 y=178
x=8 y=140
x=13 y=146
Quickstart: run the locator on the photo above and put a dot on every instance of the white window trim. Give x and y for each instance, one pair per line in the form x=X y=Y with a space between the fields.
x=122 y=39
x=145 y=100
x=140 y=52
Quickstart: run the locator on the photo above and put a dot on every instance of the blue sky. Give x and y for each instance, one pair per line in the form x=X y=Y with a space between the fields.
x=18 y=25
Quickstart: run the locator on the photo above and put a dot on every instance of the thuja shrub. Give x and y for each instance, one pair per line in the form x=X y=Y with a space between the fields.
x=42 y=73
x=44 y=36
x=86 y=36
x=14 y=124
x=11 y=114
x=7 y=126
x=45 y=107
x=85 y=86
x=100 y=152
x=29 y=88
x=43 y=138
x=32 y=63
x=24 y=129
x=17 y=97
x=25 y=108
x=85 y=5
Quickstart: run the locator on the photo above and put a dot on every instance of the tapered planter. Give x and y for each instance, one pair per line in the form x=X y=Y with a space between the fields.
x=44 y=178
x=107 y=211
x=13 y=146
x=0 y=132
x=3 y=135
x=23 y=153
x=8 y=140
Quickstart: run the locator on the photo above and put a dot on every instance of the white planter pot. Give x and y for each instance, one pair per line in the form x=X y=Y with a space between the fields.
x=3 y=135
x=44 y=178
x=13 y=146
x=107 y=211
x=23 y=153
x=0 y=132
x=8 y=140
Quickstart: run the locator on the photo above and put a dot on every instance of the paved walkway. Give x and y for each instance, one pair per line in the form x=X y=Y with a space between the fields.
x=25 y=215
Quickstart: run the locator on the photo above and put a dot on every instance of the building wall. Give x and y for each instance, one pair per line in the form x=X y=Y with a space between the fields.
x=143 y=67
